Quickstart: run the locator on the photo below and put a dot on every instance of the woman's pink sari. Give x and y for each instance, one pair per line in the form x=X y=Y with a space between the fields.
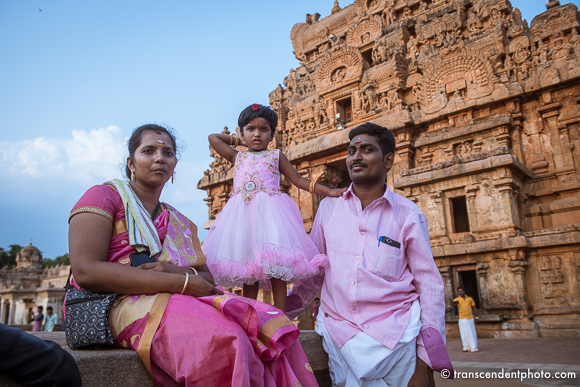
x=208 y=341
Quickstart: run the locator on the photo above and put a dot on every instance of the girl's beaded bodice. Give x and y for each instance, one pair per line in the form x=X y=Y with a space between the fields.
x=257 y=172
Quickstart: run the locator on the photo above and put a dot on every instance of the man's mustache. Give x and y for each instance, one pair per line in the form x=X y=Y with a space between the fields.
x=357 y=165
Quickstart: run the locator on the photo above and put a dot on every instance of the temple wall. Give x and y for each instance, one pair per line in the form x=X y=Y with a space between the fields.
x=485 y=110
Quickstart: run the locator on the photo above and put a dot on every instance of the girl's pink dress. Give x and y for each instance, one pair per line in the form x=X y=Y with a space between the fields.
x=259 y=234
x=208 y=341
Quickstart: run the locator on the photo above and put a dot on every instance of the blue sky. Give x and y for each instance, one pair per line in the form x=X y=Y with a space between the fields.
x=78 y=76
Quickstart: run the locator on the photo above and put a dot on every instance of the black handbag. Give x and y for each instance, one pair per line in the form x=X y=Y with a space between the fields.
x=87 y=317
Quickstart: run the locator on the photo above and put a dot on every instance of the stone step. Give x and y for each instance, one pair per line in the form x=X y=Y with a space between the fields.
x=122 y=367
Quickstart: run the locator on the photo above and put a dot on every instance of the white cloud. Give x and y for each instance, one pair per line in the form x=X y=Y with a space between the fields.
x=90 y=157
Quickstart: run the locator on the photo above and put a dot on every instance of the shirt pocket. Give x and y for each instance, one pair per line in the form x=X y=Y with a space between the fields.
x=388 y=262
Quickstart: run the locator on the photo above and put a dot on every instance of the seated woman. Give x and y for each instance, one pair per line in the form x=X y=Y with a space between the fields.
x=186 y=331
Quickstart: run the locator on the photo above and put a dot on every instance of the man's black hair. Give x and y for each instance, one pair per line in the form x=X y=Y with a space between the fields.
x=461 y=287
x=386 y=139
x=248 y=114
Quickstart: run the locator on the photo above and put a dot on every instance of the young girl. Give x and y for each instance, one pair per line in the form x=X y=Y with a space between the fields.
x=258 y=238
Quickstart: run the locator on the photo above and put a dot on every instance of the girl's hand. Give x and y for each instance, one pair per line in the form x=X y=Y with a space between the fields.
x=199 y=287
x=243 y=142
x=334 y=192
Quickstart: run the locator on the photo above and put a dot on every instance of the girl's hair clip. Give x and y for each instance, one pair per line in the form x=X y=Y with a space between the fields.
x=255 y=107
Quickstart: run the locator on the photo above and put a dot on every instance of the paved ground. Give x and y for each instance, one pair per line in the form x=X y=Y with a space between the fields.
x=512 y=355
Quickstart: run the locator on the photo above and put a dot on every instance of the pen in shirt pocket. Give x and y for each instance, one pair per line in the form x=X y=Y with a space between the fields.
x=389 y=241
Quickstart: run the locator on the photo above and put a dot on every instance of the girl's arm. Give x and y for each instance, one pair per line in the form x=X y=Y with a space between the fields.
x=303 y=183
x=221 y=144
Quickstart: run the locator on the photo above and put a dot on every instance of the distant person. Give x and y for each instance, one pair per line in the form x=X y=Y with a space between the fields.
x=51 y=320
x=33 y=362
x=37 y=322
x=258 y=239
x=315 y=308
x=30 y=315
x=467 y=310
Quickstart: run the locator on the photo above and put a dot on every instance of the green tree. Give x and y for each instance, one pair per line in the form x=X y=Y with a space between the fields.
x=48 y=262
x=8 y=258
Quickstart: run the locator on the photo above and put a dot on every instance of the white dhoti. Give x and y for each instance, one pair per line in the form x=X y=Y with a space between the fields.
x=363 y=361
x=468 y=334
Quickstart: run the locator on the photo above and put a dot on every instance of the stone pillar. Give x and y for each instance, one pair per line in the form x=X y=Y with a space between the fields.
x=438 y=226
x=481 y=271
x=2 y=309
x=448 y=285
x=470 y=193
x=12 y=313
x=506 y=186
x=518 y=268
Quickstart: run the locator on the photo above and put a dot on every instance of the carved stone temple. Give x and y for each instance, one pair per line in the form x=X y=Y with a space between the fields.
x=485 y=110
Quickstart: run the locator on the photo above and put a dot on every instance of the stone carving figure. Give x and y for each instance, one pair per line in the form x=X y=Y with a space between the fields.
x=521 y=56
x=368 y=98
x=422 y=6
x=407 y=12
x=561 y=49
x=390 y=16
x=509 y=66
x=412 y=48
x=320 y=115
x=575 y=41
x=543 y=50
x=380 y=54
x=338 y=75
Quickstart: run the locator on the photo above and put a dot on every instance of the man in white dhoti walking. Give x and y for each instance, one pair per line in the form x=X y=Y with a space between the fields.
x=467 y=311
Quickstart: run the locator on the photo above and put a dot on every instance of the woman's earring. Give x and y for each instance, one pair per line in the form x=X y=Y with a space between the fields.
x=132 y=175
x=172 y=178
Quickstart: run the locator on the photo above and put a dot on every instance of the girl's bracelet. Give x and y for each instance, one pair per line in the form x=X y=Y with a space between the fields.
x=193 y=269
x=185 y=284
x=312 y=186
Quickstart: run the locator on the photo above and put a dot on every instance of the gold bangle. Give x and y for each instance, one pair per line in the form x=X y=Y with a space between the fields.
x=312 y=187
x=185 y=284
x=237 y=141
x=193 y=268
x=231 y=139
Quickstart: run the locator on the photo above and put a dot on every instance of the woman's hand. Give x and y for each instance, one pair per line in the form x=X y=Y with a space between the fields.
x=334 y=192
x=169 y=268
x=200 y=287
x=165 y=267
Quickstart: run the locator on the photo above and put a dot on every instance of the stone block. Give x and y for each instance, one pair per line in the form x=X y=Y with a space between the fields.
x=122 y=367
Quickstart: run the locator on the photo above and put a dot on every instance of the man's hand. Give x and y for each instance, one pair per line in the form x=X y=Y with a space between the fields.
x=423 y=376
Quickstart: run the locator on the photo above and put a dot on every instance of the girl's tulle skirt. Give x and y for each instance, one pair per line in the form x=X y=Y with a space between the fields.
x=263 y=239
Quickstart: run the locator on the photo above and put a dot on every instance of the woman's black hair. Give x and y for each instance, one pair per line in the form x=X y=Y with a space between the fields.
x=137 y=135
x=386 y=139
x=248 y=114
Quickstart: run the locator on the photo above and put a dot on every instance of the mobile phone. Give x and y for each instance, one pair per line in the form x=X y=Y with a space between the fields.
x=138 y=259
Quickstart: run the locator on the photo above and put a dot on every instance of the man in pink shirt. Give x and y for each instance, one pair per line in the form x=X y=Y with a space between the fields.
x=382 y=313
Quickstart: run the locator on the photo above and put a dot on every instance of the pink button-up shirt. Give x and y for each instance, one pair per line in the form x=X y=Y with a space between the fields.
x=369 y=286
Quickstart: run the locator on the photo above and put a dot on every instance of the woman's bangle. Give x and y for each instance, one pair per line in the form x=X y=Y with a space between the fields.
x=237 y=141
x=193 y=269
x=185 y=284
x=231 y=139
